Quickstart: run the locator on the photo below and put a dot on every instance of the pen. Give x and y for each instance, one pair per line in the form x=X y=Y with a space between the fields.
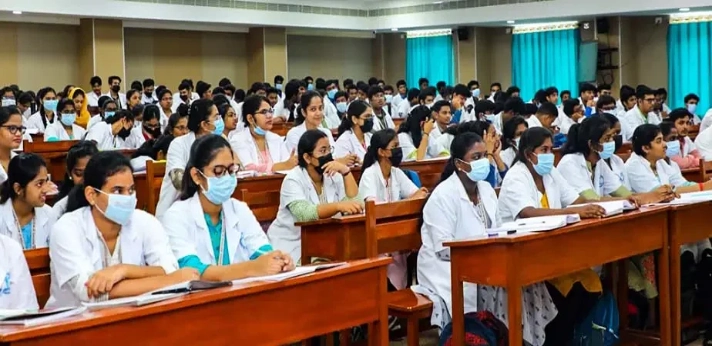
x=531 y=223
x=177 y=290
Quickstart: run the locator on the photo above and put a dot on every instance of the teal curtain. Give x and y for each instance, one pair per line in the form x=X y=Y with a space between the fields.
x=689 y=59
x=543 y=59
x=429 y=57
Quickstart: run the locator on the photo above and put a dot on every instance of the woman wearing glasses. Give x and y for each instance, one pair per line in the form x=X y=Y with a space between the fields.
x=11 y=131
x=318 y=188
x=259 y=148
x=211 y=232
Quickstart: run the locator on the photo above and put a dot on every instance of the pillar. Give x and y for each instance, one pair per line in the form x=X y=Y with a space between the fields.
x=101 y=51
x=266 y=54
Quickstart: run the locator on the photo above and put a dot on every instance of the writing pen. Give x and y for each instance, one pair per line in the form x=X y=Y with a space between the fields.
x=173 y=291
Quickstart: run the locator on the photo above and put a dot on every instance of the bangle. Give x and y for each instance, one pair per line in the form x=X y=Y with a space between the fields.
x=702 y=186
x=425 y=133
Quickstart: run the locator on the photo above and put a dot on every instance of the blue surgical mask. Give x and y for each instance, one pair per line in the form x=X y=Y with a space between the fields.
x=490 y=117
x=692 y=108
x=219 y=127
x=331 y=93
x=278 y=86
x=109 y=114
x=8 y=102
x=51 y=105
x=68 y=119
x=120 y=207
x=608 y=149
x=476 y=93
x=673 y=148
x=220 y=189
x=479 y=169
x=310 y=86
x=259 y=131
x=389 y=98
x=342 y=107
x=544 y=164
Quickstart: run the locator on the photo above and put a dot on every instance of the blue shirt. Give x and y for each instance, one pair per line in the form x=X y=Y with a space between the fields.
x=27 y=235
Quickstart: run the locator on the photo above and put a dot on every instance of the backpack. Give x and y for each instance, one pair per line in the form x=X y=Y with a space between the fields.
x=476 y=332
x=600 y=327
x=413 y=176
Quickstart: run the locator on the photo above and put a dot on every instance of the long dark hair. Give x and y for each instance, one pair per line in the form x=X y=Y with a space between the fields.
x=590 y=130
x=304 y=104
x=509 y=129
x=40 y=95
x=100 y=167
x=379 y=140
x=412 y=125
x=78 y=151
x=355 y=110
x=198 y=112
x=22 y=169
x=202 y=152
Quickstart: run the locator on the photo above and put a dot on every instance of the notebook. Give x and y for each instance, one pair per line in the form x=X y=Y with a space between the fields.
x=536 y=224
x=192 y=286
x=141 y=300
x=689 y=198
x=611 y=207
x=30 y=318
x=298 y=271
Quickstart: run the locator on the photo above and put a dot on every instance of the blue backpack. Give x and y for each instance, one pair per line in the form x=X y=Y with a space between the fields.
x=600 y=327
x=413 y=176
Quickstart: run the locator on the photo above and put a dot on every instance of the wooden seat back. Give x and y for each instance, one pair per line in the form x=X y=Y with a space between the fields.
x=393 y=227
x=155 y=170
x=705 y=170
x=429 y=171
x=54 y=154
x=263 y=204
x=38 y=262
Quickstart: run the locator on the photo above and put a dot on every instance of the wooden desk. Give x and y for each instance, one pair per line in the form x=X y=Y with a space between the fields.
x=520 y=260
x=38 y=262
x=141 y=185
x=429 y=171
x=257 y=314
x=684 y=226
x=338 y=239
x=54 y=154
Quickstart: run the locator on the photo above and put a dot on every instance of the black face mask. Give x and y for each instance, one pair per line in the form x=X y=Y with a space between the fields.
x=396 y=157
x=115 y=88
x=619 y=141
x=155 y=133
x=124 y=133
x=184 y=98
x=367 y=126
x=148 y=94
x=322 y=161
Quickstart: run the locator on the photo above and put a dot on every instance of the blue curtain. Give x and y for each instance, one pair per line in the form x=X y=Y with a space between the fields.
x=544 y=59
x=429 y=57
x=689 y=59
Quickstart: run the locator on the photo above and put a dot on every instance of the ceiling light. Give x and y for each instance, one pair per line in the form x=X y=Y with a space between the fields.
x=394 y=29
x=438 y=2
x=16 y=12
x=510 y=22
x=685 y=9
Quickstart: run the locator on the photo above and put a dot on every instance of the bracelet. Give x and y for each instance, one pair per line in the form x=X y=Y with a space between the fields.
x=702 y=186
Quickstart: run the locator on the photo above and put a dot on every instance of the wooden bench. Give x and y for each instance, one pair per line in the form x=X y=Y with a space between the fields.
x=263 y=204
x=38 y=261
x=151 y=185
x=54 y=154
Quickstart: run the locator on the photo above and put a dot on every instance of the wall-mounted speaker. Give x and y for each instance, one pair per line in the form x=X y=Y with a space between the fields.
x=463 y=34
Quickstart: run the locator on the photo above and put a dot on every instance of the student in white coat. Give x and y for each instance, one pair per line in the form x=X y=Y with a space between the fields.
x=309 y=116
x=23 y=213
x=414 y=134
x=355 y=131
x=407 y=105
x=165 y=102
x=639 y=114
x=114 y=133
x=65 y=129
x=77 y=158
x=572 y=113
x=615 y=162
x=11 y=131
x=382 y=120
x=460 y=112
x=319 y=187
x=103 y=248
x=511 y=133
x=46 y=114
x=463 y=205
x=259 y=148
x=203 y=120
x=107 y=109
x=213 y=233
x=16 y=288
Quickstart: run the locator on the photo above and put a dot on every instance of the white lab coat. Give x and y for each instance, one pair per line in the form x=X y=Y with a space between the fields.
x=450 y=215
x=387 y=118
x=44 y=218
x=149 y=100
x=373 y=186
x=519 y=191
x=706 y=120
x=617 y=166
x=298 y=186
x=35 y=122
x=397 y=99
x=122 y=100
x=3 y=174
x=105 y=139
x=602 y=180
x=93 y=99
x=703 y=143
x=634 y=118
x=330 y=114
x=625 y=131
x=403 y=110
x=565 y=122
x=293 y=136
x=533 y=121
x=441 y=145
x=60 y=207
x=57 y=131
x=243 y=144
x=16 y=288
x=498 y=125
x=188 y=233
x=76 y=252
x=410 y=151
x=176 y=158
x=94 y=120
x=508 y=155
x=347 y=143
x=641 y=176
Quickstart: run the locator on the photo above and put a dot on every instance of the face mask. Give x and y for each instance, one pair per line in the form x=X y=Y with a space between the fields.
x=115 y=88
x=673 y=148
x=109 y=114
x=479 y=169
x=396 y=157
x=342 y=107
x=219 y=127
x=691 y=108
x=476 y=93
x=608 y=149
x=516 y=142
x=51 y=105
x=155 y=133
x=68 y=119
x=618 y=139
x=429 y=105
x=8 y=102
x=220 y=189
x=26 y=113
x=545 y=162
x=490 y=117
x=367 y=125
x=124 y=133
x=310 y=86
x=148 y=95
x=322 y=161
x=331 y=93
x=184 y=98
x=389 y=98
x=120 y=207
x=278 y=86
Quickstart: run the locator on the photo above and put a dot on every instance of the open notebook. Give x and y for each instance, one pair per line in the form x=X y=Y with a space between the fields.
x=29 y=318
x=536 y=224
x=611 y=207
x=689 y=198
x=298 y=271
x=141 y=300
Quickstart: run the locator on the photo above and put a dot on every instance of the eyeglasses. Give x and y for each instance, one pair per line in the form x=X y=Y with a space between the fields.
x=608 y=109
x=265 y=111
x=13 y=129
x=181 y=128
x=324 y=151
x=221 y=170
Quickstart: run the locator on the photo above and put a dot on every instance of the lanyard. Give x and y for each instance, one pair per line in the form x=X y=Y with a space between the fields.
x=22 y=236
x=221 y=251
x=106 y=259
